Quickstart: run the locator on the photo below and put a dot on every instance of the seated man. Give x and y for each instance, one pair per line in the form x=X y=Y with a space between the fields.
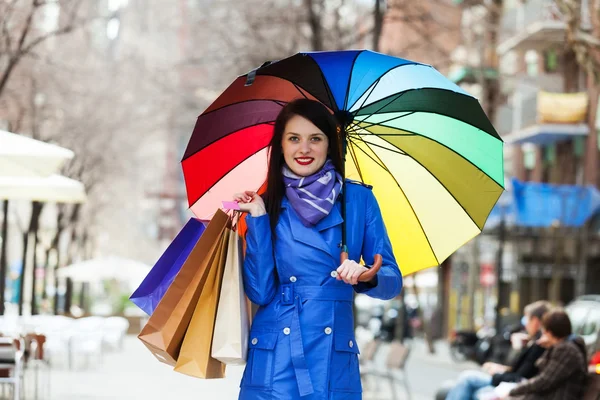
x=470 y=382
x=563 y=368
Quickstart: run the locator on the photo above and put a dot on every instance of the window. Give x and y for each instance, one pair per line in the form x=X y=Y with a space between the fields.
x=529 y=156
x=551 y=61
x=532 y=62
x=577 y=313
x=592 y=322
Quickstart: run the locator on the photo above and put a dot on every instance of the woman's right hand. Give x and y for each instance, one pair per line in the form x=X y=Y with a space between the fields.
x=251 y=203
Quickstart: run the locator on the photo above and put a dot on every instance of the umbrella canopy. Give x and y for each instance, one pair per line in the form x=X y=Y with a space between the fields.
x=24 y=156
x=53 y=188
x=425 y=145
x=106 y=268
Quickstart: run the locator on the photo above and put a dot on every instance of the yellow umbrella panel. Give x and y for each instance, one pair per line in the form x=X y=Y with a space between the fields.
x=433 y=199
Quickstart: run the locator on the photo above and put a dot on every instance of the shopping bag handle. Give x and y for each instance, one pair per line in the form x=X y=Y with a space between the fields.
x=370 y=274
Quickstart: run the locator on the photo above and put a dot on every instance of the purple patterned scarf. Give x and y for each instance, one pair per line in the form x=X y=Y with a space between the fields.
x=313 y=196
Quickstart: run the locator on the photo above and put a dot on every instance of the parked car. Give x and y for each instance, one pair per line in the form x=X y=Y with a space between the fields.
x=584 y=313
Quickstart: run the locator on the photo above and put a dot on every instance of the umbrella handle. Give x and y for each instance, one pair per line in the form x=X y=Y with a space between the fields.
x=370 y=274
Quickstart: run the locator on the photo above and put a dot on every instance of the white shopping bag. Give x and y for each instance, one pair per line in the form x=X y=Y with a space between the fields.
x=232 y=325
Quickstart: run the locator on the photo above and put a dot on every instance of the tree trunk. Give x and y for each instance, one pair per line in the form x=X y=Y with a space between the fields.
x=68 y=297
x=491 y=87
x=36 y=211
x=377 y=23
x=34 y=305
x=314 y=21
x=3 y=258
x=72 y=222
x=591 y=145
x=425 y=324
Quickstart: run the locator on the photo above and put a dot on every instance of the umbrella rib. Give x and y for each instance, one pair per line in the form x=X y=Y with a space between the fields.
x=396 y=149
x=350 y=77
x=356 y=164
x=371 y=89
x=387 y=72
x=299 y=89
x=393 y=98
x=371 y=124
x=371 y=157
x=382 y=165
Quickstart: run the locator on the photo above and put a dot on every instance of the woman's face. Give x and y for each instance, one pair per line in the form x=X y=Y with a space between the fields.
x=304 y=146
x=548 y=338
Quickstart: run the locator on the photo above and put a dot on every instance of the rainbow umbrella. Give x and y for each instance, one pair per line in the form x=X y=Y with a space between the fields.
x=425 y=145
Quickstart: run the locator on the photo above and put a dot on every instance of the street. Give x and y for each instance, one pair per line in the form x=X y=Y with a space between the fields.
x=133 y=373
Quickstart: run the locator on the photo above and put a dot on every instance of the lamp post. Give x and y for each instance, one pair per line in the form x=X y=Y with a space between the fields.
x=503 y=204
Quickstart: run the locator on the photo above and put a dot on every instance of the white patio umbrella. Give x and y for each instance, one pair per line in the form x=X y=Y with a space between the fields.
x=23 y=156
x=26 y=166
x=106 y=268
x=53 y=188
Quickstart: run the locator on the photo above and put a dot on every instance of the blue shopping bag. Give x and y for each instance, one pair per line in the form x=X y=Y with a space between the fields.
x=151 y=290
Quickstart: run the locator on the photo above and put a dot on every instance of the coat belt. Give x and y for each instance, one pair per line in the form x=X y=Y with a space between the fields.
x=294 y=295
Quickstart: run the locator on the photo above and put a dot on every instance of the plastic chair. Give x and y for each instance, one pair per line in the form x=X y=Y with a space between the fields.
x=11 y=364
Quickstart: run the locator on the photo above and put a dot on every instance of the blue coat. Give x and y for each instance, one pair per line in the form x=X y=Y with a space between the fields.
x=302 y=343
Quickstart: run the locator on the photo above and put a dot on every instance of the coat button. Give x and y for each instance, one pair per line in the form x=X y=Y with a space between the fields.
x=351 y=344
x=328 y=331
x=334 y=274
x=293 y=279
x=286 y=331
x=254 y=341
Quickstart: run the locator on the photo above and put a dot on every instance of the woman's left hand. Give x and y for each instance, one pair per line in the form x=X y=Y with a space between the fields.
x=350 y=271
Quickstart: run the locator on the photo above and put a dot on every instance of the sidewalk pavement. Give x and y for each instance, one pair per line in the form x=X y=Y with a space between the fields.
x=133 y=373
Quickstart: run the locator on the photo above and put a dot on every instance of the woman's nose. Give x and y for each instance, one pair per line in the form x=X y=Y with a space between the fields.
x=305 y=147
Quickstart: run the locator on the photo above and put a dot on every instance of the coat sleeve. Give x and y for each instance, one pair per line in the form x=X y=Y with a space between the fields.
x=558 y=368
x=387 y=284
x=259 y=263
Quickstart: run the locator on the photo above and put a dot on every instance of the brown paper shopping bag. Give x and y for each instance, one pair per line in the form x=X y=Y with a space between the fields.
x=194 y=358
x=230 y=337
x=164 y=331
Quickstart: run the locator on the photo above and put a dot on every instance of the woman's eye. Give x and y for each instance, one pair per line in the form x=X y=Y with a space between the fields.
x=316 y=139
x=293 y=139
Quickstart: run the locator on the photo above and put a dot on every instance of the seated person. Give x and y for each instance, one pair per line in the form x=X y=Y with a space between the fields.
x=471 y=382
x=563 y=367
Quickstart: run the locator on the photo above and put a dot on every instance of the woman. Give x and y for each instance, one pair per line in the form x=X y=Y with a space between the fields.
x=302 y=341
x=563 y=367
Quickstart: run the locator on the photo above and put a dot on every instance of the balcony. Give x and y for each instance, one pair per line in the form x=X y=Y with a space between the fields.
x=520 y=111
x=538 y=113
x=535 y=25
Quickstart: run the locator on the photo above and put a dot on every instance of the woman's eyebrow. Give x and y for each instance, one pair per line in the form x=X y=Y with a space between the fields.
x=311 y=134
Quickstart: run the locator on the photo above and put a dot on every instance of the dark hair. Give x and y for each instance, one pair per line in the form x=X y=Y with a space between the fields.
x=320 y=116
x=557 y=322
x=537 y=309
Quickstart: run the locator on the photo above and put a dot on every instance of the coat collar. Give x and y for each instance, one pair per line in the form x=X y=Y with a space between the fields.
x=308 y=235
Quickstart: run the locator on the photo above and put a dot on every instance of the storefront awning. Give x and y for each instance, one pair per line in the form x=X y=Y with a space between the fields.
x=472 y=75
x=543 y=205
x=544 y=134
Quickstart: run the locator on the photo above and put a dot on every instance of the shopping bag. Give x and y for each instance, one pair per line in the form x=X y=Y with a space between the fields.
x=230 y=337
x=195 y=355
x=166 y=327
x=160 y=277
